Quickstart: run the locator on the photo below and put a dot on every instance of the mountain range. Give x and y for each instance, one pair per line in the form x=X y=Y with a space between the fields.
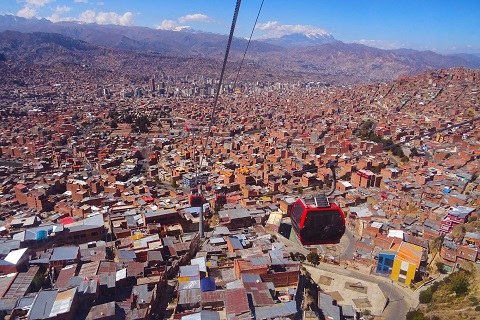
x=313 y=57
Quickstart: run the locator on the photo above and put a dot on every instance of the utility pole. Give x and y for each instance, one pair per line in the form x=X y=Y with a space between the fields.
x=200 y=222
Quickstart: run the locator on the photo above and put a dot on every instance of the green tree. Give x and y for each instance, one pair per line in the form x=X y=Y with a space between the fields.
x=415 y=315
x=459 y=283
x=440 y=265
x=437 y=243
x=128 y=118
x=300 y=256
x=425 y=296
x=413 y=152
x=313 y=258
x=397 y=151
x=38 y=281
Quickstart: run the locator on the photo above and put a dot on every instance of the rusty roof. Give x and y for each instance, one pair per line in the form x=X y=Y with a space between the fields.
x=213 y=296
x=6 y=281
x=260 y=293
x=236 y=302
x=89 y=269
x=21 y=283
x=101 y=311
x=65 y=275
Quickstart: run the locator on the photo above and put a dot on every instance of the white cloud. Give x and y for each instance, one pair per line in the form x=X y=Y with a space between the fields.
x=125 y=19
x=90 y=16
x=274 y=29
x=195 y=17
x=83 y=1
x=170 y=25
x=31 y=8
x=27 y=12
x=167 y=25
x=381 y=44
x=100 y=3
x=55 y=17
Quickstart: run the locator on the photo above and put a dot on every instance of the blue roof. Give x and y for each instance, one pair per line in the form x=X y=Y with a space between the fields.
x=207 y=284
x=236 y=244
x=64 y=253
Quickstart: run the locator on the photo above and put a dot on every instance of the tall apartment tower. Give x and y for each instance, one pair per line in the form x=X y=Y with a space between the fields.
x=151 y=84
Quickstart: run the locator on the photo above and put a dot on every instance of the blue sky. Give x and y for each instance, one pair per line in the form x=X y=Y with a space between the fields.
x=442 y=26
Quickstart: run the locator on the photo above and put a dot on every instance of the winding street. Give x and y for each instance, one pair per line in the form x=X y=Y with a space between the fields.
x=400 y=299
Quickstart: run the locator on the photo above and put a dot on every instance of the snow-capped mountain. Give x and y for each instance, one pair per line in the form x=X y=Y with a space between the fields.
x=301 y=40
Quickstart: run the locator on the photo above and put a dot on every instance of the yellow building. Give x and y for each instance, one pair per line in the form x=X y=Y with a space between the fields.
x=406 y=263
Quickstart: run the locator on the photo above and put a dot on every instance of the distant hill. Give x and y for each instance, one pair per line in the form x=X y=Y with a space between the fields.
x=135 y=38
x=312 y=57
x=301 y=40
x=40 y=46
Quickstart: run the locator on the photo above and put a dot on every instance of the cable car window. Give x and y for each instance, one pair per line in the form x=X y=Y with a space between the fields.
x=296 y=217
x=322 y=225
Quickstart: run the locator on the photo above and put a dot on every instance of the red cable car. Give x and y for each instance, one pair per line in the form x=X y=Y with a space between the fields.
x=317 y=221
x=196 y=199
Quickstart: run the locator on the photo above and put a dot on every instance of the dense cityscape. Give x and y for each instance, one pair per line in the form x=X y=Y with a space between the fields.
x=97 y=168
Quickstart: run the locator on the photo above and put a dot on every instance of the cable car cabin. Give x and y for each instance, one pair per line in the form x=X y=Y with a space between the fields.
x=317 y=221
x=196 y=199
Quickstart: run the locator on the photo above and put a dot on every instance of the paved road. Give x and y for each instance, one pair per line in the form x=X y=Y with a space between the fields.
x=400 y=299
x=348 y=245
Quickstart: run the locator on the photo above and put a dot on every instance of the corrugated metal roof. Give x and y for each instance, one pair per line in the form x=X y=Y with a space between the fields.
x=190 y=296
x=14 y=256
x=189 y=271
x=221 y=231
x=236 y=302
x=207 y=284
x=200 y=262
x=237 y=284
x=250 y=277
x=6 y=281
x=158 y=213
x=276 y=257
x=126 y=255
x=260 y=293
x=213 y=296
x=42 y=305
x=64 y=276
x=101 y=311
x=276 y=311
x=89 y=269
x=185 y=285
x=21 y=283
x=217 y=240
x=63 y=302
x=135 y=269
x=260 y=261
x=203 y=315
x=235 y=242
x=64 y=253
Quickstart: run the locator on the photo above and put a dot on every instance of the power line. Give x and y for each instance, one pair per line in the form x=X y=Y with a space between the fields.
x=217 y=93
x=248 y=45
